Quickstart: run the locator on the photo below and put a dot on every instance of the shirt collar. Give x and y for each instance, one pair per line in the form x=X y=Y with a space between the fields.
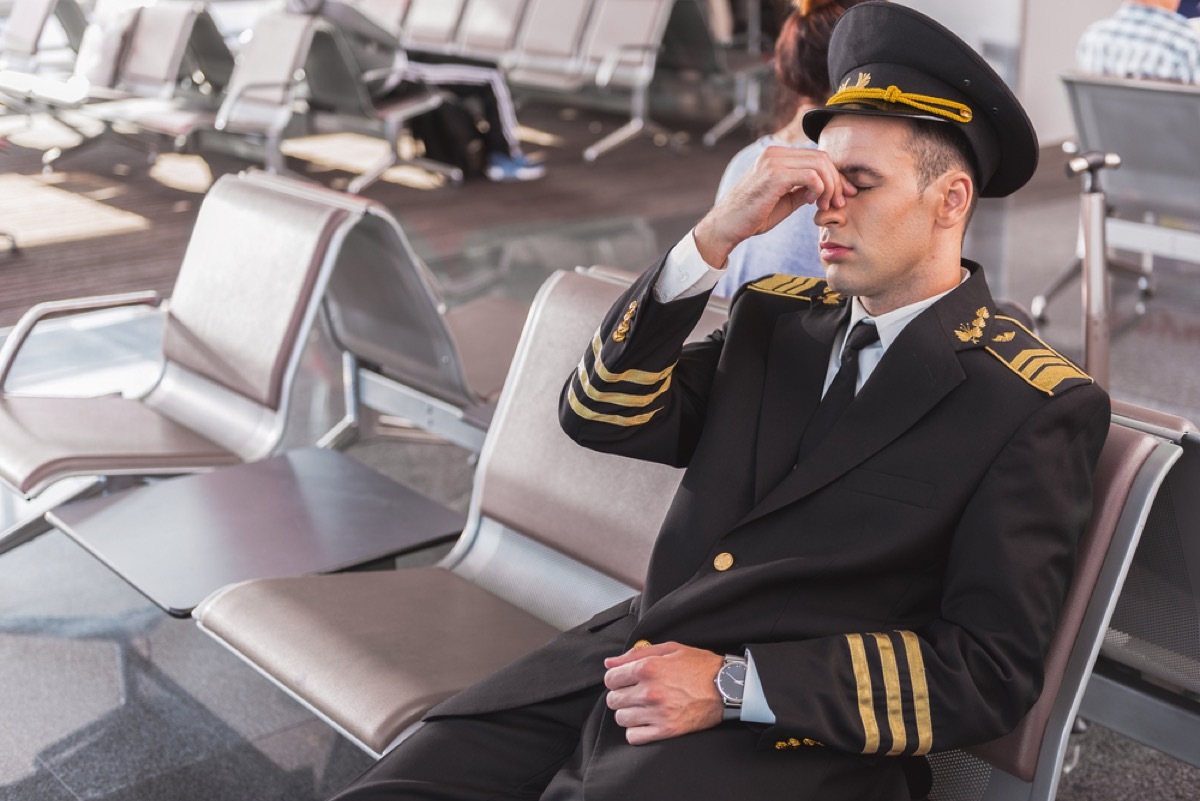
x=891 y=324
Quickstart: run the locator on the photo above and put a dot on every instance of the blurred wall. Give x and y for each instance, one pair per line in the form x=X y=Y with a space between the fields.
x=1030 y=43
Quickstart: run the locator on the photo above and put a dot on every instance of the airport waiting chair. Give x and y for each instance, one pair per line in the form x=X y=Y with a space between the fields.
x=1153 y=198
x=1026 y=764
x=153 y=56
x=102 y=45
x=619 y=50
x=236 y=326
x=388 y=14
x=412 y=359
x=21 y=42
x=256 y=112
x=526 y=567
x=488 y=29
x=432 y=25
x=1146 y=685
x=690 y=44
x=338 y=101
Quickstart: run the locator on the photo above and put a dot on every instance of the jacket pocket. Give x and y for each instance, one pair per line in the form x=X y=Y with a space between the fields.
x=890 y=487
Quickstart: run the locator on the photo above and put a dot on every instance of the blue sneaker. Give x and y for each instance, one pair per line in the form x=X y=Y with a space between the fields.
x=502 y=167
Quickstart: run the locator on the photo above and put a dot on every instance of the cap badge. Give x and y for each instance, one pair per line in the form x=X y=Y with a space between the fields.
x=973 y=331
x=863 y=81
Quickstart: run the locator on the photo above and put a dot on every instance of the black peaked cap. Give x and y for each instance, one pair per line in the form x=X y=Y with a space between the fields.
x=937 y=76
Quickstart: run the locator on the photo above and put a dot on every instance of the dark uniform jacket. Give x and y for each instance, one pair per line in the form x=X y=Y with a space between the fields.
x=897 y=589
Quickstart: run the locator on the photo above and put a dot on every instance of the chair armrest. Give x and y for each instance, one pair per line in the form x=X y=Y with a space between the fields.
x=608 y=67
x=233 y=97
x=57 y=308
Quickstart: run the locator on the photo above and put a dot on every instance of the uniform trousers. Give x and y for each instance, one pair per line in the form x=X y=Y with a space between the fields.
x=544 y=750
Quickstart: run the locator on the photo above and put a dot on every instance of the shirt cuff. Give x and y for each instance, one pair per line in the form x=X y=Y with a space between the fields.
x=755 y=708
x=685 y=274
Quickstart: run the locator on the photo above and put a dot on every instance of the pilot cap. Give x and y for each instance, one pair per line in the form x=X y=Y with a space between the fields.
x=887 y=60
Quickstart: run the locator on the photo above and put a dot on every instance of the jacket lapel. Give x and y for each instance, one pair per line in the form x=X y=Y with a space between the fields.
x=919 y=369
x=796 y=367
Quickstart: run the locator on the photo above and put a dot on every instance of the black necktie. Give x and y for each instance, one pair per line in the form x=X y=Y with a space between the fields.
x=841 y=390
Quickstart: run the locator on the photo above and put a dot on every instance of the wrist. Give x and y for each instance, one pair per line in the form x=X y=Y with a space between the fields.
x=713 y=249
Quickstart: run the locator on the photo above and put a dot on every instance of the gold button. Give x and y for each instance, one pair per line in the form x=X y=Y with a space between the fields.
x=632 y=305
x=642 y=644
x=793 y=742
x=810 y=742
x=622 y=327
x=723 y=562
x=781 y=745
x=618 y=337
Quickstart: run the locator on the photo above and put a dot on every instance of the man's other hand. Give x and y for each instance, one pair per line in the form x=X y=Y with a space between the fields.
x=664 y=690
x=782 y=180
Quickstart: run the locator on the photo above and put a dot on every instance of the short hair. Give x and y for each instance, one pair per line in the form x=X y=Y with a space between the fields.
x=937 y=148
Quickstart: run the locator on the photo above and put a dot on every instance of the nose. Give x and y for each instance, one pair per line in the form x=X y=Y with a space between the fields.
x=830 y=217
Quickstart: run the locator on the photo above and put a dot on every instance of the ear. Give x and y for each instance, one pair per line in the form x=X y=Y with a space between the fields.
x=955 y=198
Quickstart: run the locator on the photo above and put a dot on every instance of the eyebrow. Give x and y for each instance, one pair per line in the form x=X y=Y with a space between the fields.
x=853 y=171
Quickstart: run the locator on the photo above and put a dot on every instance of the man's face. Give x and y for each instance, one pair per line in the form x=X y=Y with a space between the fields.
x=879 y=244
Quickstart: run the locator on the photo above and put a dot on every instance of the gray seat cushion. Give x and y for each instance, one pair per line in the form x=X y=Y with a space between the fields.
x=332 y=641
x=50 y=438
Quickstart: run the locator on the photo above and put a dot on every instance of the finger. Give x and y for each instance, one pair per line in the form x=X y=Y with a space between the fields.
x=640 y=650
x=624 y=698
x=633 y=716
x=641 y=735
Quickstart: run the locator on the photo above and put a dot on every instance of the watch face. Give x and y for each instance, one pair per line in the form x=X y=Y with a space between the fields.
x=731 y=681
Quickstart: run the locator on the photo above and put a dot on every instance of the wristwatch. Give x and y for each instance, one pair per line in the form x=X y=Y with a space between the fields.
x=731 y=685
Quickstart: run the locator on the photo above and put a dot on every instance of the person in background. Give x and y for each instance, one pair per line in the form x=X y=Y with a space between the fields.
x=381 y=54
x=1144 y=39
x=803 y=78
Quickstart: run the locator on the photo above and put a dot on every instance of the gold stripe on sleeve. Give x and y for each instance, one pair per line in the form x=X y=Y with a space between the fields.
x=866 y=703
x=632 y=376
x=891 y=684
x=920 y=692
x=612 y=419
x=619 y=398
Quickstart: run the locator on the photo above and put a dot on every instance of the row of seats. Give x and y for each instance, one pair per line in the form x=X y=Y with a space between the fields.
x=527 y=563
x=164 y=72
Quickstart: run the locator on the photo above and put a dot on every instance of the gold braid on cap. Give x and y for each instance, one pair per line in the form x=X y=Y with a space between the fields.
x=940 y=106
x=806 y=7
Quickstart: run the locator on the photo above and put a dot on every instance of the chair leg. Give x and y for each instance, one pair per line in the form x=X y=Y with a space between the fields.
x=1037 y=307
x=748 y=96
x=392 y=133
x=31 y=513
x=638 y=124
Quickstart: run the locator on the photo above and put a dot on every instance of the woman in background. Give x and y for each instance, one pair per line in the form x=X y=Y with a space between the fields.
x=801 y=71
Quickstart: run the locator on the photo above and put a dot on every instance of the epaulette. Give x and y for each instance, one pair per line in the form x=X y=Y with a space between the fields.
x=1036 y=362
x=811 y=289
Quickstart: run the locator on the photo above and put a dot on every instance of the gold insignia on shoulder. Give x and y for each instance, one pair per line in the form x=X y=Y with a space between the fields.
x=1034 y=361
x=790 y=285
x=831 y=298
x=973 y=331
